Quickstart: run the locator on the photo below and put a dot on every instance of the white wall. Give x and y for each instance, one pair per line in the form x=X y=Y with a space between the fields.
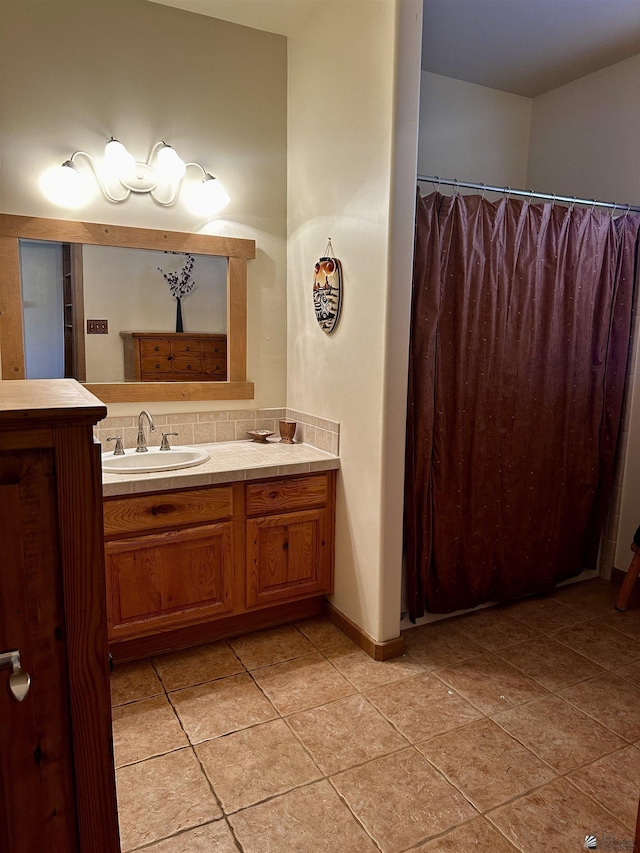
x=585 y=142
x=125 y=287
x=472 y=133
x=74 y=73
x=342 y=142
x=585 y=136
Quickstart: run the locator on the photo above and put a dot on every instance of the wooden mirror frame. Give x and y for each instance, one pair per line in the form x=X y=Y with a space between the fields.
x=236 y=251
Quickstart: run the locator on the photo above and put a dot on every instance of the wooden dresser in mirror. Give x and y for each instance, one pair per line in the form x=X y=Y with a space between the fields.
x=177 y=357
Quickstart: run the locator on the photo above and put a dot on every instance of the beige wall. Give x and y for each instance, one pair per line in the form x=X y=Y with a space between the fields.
x=584 y=136
x=341 y=147
x=74 y=73
x=472 y=133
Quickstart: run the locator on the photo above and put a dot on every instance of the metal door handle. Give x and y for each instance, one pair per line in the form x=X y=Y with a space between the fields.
x=19 y=681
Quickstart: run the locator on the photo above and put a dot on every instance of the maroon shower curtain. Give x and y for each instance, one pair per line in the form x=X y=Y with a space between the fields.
x=520 y=336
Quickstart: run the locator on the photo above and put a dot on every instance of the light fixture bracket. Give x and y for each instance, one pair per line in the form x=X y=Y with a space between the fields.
x=142 y=180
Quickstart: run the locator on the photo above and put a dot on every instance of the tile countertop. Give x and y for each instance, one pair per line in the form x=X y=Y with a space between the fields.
x=230 y=462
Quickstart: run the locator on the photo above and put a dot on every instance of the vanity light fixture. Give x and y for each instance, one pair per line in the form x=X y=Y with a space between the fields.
x=162 y=176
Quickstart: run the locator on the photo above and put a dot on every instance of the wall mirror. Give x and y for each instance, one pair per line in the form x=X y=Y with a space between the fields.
x=105 y=275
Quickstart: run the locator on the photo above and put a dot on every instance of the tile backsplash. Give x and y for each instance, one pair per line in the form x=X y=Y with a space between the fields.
x=227 y=425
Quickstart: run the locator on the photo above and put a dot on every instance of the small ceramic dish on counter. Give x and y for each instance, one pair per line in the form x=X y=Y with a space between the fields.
x=259 y=435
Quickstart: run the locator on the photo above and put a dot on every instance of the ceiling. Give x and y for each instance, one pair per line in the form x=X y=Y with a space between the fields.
x=274 y=16
x=526 y=47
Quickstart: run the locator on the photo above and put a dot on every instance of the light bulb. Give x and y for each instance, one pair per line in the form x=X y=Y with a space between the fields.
x=169 y=165
x=65 y=185
x=206 y=197
x=117 y=159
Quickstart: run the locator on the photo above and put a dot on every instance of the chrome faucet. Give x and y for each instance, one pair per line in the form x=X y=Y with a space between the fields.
x=141 y=443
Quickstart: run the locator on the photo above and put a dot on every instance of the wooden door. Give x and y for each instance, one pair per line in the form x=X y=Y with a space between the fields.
x=288 y=556
x=37 y=798
x=169 y=580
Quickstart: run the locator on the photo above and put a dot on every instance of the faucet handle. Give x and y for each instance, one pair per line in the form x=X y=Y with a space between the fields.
x=119 y=451
x=164 y=445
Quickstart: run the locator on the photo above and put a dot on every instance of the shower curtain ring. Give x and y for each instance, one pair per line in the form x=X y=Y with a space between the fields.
x=436 y=186
x=593 y=204
x=484 y=189
x=530 y=197
x=456 y=186
x=553 y=201
x=573 y=202
x=613 y=209
x=507 y=193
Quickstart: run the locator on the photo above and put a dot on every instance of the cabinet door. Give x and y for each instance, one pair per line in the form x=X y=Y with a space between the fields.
x=169 y=580
x=288 y=557
x=37 y=799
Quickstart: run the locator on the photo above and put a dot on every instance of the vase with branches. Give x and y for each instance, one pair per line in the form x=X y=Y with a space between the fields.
x=180 y=284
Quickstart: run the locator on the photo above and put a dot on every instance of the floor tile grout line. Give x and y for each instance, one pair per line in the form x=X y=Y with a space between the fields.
x=562 y=773
x=195 y=755
x=568 y=701
x=353 y=814
x=217 y=799
x=326 y=775
x=601 y=805
x=604 y=725
x=197 y=758
x=180 y=832
x=444 y=833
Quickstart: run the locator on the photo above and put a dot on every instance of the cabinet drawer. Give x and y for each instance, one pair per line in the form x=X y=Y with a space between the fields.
x=215 y=366
x=154 y=347
x=214 y=348
x=187 y=364
x=187 y=348
x=290 y=494
x=158 y=363
x=166 y=510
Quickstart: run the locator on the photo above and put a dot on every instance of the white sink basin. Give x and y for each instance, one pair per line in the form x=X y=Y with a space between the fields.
x=153 y=460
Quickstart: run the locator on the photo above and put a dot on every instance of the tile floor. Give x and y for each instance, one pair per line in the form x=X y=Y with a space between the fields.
x=510 y=729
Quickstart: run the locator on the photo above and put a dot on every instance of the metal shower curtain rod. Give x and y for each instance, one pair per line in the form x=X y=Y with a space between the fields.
x=454 y=182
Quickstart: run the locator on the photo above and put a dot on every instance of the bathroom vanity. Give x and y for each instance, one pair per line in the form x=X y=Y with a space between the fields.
x=187 y=564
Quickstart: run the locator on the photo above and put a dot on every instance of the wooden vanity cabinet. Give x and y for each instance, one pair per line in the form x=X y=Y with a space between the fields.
x=201 y=564
x=290 y=539
x=171 y=559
